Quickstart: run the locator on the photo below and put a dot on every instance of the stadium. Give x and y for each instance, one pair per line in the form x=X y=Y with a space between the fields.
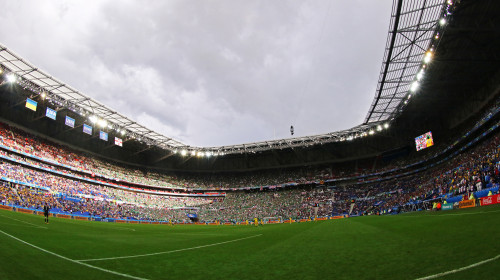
x=410 y=193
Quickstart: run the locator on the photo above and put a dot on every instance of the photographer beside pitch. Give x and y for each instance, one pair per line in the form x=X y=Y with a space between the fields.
x=46 y=209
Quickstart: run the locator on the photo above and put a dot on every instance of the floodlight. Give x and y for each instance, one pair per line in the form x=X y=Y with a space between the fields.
x=379 y=128
x=428 y=57
x=43 y=95
x=93 y=119
x=386 y=125
x=442 y=21
x=110 y=126
x=123 y=132
x=1 y=70
x=200 y=154
x=102 y=123
x=193 y=152
x=420 y=75
x=414 y=86
x=371 y=132
x=11 y=78
x=183 y=152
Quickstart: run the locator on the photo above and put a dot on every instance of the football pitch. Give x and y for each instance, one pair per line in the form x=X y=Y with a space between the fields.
x=458 y=244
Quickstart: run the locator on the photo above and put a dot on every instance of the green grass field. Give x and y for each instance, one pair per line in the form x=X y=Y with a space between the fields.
x=407 y=246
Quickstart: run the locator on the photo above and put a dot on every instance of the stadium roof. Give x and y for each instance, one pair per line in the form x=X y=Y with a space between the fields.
x=414 y=30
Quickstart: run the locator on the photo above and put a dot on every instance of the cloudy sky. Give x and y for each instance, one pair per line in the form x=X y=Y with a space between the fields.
x=211 y=73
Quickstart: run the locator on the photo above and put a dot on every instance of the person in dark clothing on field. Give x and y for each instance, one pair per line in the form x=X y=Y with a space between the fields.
x=46 y=212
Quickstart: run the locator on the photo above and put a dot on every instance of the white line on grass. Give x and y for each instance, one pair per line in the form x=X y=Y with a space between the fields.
x=34 y=225
x=459 y=269
x=168 y=252
x=74 y=261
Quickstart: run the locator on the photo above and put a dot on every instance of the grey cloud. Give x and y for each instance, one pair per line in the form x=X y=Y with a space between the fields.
x=211 y=73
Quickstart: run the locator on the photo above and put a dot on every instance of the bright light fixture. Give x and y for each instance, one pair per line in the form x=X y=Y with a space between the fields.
x=442 y=21
x=428 y=57
x=414 y=86
x=420 y=75
x=11 y=78
x=93 y=119
x=102 y=123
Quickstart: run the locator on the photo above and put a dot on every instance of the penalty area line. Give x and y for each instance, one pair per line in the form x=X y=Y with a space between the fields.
x=73 y=261
x=459 y=269
x=169 y=252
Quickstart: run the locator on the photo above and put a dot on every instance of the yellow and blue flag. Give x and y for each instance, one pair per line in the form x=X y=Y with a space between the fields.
x=31 y=104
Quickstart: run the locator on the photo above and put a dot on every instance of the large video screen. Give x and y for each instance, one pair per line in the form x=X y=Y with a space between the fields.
x=424 y=141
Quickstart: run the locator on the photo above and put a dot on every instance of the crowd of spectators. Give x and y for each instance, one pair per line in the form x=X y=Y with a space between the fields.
x=473 y=170
x=470 y=171
x=22 y=141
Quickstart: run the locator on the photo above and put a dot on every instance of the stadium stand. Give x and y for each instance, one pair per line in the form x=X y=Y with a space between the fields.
x=36 y=171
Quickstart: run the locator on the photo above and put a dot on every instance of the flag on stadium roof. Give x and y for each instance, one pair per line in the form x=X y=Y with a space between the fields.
x=31 y=104
x=118 y=141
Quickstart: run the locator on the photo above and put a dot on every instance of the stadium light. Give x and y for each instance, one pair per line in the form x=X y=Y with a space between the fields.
x=1 y=70
x=420 y=75
x=386 y=125
x=193 y=152
x=102 y=123
x=371 y=132
x=183 y=153
x=122 y=132
x=428 y=57
x=43 y=95
x=11 y=78
x=414 y=86
x=442 y=21
x=201 y=154
x=93 y=119
x=379 y=128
